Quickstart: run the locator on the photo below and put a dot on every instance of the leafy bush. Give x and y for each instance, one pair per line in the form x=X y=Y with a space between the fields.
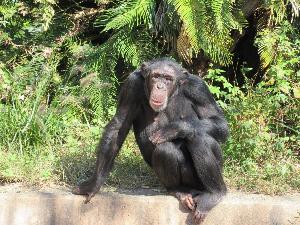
x=264 y=121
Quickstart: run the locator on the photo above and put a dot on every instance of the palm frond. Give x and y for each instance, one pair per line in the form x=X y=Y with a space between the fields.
x=126 y=47
x=278 y=9
x=266 y=43
x=167 y=24
x=217 y=11
x=207 y=25
x=130 y=13
x=187 y=11
x=184 y=49
x=295 y=7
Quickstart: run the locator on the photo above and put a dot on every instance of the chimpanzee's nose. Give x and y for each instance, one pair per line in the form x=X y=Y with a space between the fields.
x=159 y=85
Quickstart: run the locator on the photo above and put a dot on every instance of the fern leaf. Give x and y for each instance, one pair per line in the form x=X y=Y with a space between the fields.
x=131 y=13
x=207 y=24
x=184 y=49
x=295 y=7
x=186 y=10
x=217 y=7
x=266 y=43
x=127 y=49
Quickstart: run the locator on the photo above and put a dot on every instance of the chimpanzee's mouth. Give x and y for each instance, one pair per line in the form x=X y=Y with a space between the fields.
x=156 y=102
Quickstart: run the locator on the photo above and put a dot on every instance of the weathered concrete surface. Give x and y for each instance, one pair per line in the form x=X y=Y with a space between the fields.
x=62 y=208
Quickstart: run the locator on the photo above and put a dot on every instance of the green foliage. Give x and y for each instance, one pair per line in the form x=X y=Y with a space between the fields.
x=264 y=121
x=278 y=8
x=270 y=41
x=222 y=88
x=189 y=26
x=263 y=147
x=208 y=24
x=128 y=41
x=20 y=120
x=52 y=94
x=270 y=32
x=130 y=13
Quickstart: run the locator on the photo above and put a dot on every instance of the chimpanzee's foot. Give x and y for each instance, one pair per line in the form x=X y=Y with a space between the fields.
x=204 y=203
x=199 y=216
x=186 y=200
x=200 y=211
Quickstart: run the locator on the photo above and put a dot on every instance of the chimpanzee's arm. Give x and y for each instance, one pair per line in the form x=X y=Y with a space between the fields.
x=174 y=130
x=114 y=134
x=211 y=117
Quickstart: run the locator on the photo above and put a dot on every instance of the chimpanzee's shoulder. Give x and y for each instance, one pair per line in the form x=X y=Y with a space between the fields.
x=192 y=81
x=135 y=76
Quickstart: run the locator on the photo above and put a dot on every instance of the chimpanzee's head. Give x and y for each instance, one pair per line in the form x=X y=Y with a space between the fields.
x=161 y=78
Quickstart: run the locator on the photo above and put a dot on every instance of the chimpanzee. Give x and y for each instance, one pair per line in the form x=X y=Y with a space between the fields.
x=178 y=127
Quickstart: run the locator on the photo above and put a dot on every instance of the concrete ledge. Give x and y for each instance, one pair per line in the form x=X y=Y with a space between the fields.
x=62 y=208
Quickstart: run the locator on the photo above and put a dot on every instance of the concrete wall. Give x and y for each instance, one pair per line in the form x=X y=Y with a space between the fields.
x=62 y=208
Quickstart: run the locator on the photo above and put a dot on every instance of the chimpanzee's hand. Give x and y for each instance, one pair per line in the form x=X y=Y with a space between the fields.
x=157 y=137
x=163 y=135
x=88 y=188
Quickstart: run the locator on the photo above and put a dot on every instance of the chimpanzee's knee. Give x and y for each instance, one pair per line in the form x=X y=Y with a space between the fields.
x=167 y=159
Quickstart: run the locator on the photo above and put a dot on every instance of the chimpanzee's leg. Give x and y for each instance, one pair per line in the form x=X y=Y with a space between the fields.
x=186 y=129
x=206 y=160
x=166 y=162
x=205 y=152
x=174 y=168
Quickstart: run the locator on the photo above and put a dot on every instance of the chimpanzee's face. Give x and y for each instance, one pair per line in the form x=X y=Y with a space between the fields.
x=160 y=82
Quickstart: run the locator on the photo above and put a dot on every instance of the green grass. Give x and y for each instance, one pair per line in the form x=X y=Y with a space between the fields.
x=74 y=161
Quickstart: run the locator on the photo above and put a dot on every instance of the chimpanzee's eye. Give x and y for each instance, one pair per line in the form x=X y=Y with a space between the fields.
x=155 y=76
x=169 y=79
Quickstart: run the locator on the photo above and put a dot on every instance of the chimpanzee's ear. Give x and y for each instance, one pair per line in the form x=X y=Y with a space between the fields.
x=144 y=68
x=185 y=72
